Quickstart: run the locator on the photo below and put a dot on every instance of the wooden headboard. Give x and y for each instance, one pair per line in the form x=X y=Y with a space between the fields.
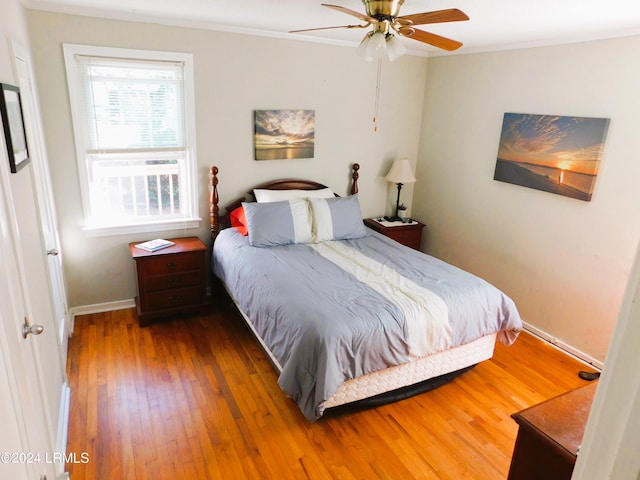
x=218 y=221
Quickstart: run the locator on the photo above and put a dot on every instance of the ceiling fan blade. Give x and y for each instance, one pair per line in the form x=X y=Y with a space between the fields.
x=361 y=16
x=329 y=28
x=430 y=38
x=438 y=16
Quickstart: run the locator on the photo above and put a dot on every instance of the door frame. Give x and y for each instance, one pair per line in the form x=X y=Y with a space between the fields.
x=611 y=439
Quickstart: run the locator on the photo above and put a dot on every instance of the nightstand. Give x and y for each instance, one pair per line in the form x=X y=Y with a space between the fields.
x=171 y=280
x=549 y=436
x=409 y=234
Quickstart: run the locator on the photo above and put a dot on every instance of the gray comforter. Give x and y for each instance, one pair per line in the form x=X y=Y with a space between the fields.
x=329 y=313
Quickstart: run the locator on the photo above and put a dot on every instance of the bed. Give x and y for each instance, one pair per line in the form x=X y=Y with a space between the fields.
x=346 y=315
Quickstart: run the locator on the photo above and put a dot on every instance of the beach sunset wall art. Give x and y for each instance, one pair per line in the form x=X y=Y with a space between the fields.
x=284 y=134
x=552 y=153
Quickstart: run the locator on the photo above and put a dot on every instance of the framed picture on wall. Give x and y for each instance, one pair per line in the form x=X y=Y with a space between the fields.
x=13 y=126
x=284 y=134
x=552 y=153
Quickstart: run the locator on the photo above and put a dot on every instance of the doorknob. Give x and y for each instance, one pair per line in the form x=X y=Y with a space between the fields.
x=35 y=329
x=53 y=252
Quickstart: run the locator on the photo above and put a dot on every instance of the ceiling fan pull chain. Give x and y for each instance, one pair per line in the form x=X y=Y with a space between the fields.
x=375 y=108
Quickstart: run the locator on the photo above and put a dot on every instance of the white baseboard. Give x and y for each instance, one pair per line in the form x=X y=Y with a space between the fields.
x=559 y=344
x=103 y=307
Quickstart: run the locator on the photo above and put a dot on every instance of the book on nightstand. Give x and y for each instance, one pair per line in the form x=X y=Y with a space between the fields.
x=153 y=245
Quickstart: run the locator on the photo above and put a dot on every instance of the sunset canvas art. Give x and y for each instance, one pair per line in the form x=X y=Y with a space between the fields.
x=284 y=134
x=551 y=153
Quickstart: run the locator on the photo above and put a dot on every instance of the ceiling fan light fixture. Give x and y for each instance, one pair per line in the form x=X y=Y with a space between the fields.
x=362 y=50
x=377 y=46
x=395 y=48
x=384 y=16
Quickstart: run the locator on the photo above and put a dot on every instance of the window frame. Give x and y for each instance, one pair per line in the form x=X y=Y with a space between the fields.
x=189 y=199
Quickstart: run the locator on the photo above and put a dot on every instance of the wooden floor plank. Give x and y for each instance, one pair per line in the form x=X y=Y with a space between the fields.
x=195 y=397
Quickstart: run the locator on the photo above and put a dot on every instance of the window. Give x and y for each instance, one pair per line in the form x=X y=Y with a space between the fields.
x=135 y=139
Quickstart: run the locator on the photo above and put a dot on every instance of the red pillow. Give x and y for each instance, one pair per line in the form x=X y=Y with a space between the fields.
x=239 y=221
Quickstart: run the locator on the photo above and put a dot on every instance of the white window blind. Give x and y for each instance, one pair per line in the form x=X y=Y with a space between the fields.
x=132 y=105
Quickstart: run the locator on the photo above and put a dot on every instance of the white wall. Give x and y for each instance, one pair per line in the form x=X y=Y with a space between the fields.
x=565 y=262
x=234 y=75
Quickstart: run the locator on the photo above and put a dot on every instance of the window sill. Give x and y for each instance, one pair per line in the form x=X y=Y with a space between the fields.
x=160 y=226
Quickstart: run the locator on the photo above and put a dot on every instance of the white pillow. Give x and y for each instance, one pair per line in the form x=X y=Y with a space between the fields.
x=264 y=195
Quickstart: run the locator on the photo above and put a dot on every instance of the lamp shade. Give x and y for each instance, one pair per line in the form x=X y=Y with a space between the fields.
x=377 y=46
x=395 y=48
x=362 y=48
x=400 y=172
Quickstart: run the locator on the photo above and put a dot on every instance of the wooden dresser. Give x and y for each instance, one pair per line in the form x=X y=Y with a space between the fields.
x=550 y=435
x=171 y=280
x=409 y=234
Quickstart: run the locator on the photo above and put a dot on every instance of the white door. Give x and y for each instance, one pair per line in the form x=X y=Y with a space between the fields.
x=44 y=194
x=26 y=450
x=35 y=365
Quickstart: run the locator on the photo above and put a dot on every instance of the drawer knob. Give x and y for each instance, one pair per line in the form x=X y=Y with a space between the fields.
x=172 y=264
x=174 y=299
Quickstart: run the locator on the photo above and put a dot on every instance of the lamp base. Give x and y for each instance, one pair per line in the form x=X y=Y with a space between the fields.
x=394 y=218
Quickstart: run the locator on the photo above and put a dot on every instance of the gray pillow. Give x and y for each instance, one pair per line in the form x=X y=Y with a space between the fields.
x=337 y=218
x=278 y=223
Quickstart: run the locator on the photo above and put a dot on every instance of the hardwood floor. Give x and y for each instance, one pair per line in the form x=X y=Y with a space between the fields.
x=196 y=398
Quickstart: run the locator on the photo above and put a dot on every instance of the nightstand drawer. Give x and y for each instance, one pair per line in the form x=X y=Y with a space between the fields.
x=175 y=263
x=178 y=297
x=165 y=282
x=410 y=238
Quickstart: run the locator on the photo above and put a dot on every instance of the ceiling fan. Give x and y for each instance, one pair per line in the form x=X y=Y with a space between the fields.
x=385 y=17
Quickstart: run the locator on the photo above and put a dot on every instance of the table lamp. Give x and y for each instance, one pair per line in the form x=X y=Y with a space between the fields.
x=400 y=173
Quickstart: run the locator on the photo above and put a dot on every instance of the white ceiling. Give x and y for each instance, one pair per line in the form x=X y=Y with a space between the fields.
x=493 y=24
